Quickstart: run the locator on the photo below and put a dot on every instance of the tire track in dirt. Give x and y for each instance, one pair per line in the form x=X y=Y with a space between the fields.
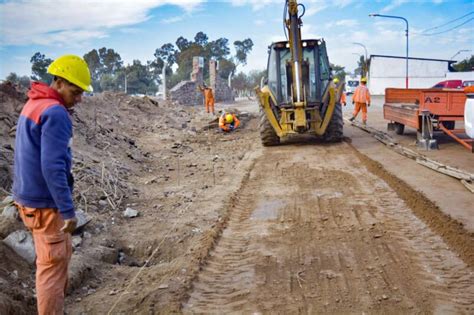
x=313 y=231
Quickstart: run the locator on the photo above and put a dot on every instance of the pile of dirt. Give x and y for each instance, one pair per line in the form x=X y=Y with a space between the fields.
x=12 y=99
x=105 y=154
x=128 y=152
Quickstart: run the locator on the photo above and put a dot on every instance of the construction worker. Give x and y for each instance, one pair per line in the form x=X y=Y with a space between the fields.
x=43 y=183
x=208 y=98
x=343 y=95
x=228 y=122
x=361 y=99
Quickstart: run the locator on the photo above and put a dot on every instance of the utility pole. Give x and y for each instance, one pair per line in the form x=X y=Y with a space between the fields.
x=366 y=70
x=164 y=80
x=406 y=34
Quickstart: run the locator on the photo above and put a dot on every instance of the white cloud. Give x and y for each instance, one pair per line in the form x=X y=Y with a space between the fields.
x=173 y=19
x=255 y=4
x=394 y=4
x=343 y=23
x=259 y=22
x=312 y=6
x=28 y=22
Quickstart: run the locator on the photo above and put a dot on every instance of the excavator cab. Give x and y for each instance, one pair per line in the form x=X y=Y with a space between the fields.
x=299 y=96
x=315 y=72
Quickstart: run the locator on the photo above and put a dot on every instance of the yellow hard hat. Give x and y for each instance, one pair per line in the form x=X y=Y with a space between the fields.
x=73 y=69
x=363 y=80
x=336 y=80
x=229 y=118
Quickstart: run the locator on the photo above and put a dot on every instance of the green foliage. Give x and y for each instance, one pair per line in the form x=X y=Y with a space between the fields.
x=465 y=65
x=22 y=81
x=140 y=79
x=362 y=67
x=39 y=66
x=339 y=72
x=245 y=83
x=185 y=50
x=242 y=49
x=104 y=65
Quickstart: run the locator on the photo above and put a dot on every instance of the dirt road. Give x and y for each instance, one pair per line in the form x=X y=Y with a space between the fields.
x=313 y=231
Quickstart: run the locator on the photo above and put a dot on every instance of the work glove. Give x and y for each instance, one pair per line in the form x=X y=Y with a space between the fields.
x=345 y=103
x=368 y=104
x=352 y=102
x=69 y=225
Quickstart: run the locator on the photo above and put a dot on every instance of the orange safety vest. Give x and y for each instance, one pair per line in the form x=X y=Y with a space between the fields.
x=225 y=126
x=361 y=95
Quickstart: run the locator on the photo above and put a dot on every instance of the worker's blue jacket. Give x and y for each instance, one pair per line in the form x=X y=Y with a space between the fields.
x=42 y=153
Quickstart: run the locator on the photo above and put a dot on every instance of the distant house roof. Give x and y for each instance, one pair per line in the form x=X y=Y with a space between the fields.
x=413 y=58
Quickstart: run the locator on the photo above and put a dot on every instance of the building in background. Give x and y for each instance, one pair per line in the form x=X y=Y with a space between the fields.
x=390 y=71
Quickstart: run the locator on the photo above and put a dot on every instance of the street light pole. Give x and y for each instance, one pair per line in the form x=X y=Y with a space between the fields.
x=365 y=61
x=460 y=51
x=360 y=56
x=406 y=34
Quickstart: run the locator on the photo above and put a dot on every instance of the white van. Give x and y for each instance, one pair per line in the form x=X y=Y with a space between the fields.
x=351 y=83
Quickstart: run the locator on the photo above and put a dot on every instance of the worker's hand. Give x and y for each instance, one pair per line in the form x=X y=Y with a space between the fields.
x=345 y=103
x=368 y=104
x=69 y=225
x=352 y=102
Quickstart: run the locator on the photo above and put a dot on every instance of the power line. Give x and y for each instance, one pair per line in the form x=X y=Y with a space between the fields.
x=439 y=26
x=453 y=28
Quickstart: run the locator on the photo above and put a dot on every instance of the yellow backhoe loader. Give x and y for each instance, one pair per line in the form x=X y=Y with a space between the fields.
x=299 y=96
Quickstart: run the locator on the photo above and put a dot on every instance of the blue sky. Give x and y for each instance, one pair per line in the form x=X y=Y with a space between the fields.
x=135 y=28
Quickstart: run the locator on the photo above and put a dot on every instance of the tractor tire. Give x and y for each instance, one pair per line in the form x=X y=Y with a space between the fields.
x=334 y=131
x=267 y=133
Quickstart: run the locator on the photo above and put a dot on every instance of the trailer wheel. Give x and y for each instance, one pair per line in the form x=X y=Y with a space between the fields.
x=334 y=131
x=267 y=133
x=399 y=128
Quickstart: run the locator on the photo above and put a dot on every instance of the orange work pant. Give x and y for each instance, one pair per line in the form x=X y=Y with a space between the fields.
x=209 y=102
x=53 y=253
x=358 y=107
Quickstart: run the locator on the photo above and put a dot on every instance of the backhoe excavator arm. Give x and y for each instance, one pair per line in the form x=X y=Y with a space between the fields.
x=293 y=23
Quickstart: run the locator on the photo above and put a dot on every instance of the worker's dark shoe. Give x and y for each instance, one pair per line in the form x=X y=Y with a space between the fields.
x=352 y=118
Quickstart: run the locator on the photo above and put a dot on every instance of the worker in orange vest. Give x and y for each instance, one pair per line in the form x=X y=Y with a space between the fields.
x=228 y=122
x=361 y=99
x=343 y=95
x=208 y=98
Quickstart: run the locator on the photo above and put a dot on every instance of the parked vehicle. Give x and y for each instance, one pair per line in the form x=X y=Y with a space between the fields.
x=448 y=84
x=351 y=84
x=469 y=111
x=467 y=83
x=429 y=110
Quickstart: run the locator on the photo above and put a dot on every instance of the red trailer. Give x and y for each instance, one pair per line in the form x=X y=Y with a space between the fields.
x=427 y=110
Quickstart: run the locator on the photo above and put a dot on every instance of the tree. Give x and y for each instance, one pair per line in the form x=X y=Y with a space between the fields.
x=339 y=72
x=242 y=49
x=22 y=81
x=95 y=67
x=39 y=66
x=201 y=39
x=167 y=53
x=140 y=79
x=104 y=62
x=219 y=48
x=226 y=67
x=361 y=67
x=110 y=60
x=182 y=43
x=465 y=65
